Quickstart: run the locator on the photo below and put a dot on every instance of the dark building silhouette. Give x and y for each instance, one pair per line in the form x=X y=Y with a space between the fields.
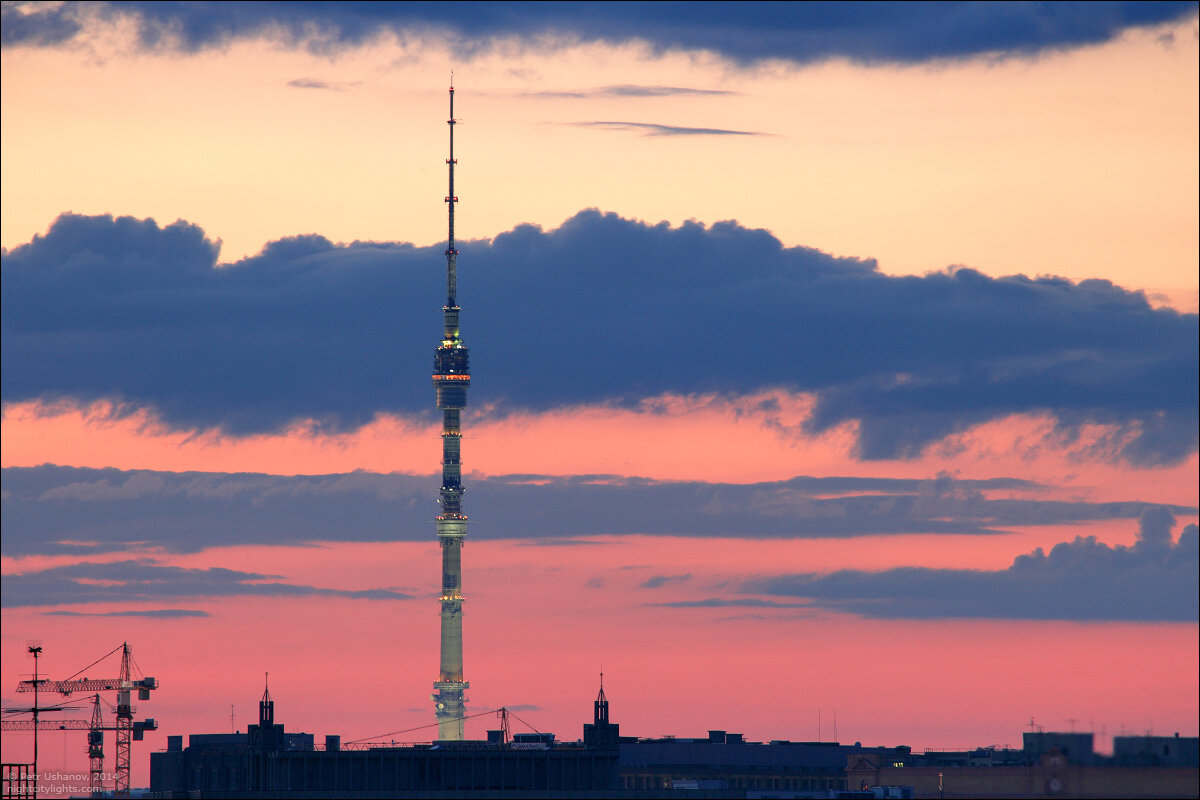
x=1074 y=748
x=1157 y=751
x=601 y=732
x=1051 y=764
x=267 y=761
x=727 y=762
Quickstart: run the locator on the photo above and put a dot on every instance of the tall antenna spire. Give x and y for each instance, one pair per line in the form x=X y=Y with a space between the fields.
x=451 y=199
x=451 y=377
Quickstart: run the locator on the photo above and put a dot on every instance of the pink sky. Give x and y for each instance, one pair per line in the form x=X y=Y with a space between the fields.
x=360 y=668
x=668 y=438
x=534 y=637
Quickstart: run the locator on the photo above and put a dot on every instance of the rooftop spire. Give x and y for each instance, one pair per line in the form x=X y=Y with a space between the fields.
x=266 y=706
x=601 y=704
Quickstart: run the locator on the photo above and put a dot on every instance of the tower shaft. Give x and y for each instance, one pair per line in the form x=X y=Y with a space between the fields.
x=451 y=377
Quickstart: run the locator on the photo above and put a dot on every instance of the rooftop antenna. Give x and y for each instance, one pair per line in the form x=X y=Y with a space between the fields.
x=505 y=730
x=451 y=199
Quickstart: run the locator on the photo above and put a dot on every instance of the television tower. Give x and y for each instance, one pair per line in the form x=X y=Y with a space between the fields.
x=451 y=377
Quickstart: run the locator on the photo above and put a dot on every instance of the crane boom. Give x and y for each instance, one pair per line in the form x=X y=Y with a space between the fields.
x=90 y=685
x=74 y=725
x=55 y=725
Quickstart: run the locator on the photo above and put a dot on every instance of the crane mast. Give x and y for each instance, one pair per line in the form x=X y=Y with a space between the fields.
x=96 y=751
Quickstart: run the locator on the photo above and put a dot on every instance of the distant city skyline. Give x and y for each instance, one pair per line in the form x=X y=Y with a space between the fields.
x=828 y=359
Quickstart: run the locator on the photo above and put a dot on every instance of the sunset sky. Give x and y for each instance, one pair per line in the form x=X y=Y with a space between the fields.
x=829 y=361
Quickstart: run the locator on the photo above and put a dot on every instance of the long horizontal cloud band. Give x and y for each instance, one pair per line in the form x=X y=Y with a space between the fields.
x=48 y=510
x=743 y=32
x=1155 y=580
x=143 y=580
x=602 y=309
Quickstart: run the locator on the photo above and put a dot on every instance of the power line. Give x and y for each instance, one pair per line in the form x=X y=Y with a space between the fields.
x=97 y=661
x=420 y=727
x=523 y=722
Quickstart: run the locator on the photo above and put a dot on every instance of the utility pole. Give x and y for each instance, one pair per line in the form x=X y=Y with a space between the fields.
x=36 y=651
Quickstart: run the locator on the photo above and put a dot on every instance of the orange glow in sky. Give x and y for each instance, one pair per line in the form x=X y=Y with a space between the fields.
x=1078 y=163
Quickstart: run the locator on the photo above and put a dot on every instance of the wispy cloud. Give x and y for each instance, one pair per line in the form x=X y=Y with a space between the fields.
x=626 y=90
x=720 y=602
x=655 y=581
x=657 y=129
x=76 y=511
x=314 y=83
x=154 y=613
x=144 y=580
x=559 y=541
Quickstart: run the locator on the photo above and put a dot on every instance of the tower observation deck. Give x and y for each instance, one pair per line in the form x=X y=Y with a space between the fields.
x=451 y=377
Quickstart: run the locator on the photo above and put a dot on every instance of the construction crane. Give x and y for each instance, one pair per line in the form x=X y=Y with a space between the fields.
x=127 y=730
x=95 y=740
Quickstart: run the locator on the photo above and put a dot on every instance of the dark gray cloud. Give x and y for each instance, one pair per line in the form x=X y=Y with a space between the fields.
x=153 y=613
x=626 y=90
x=743 y=32
x=145 y=581
x=656 y=581
x=656 y=129
x=1155 y=580
x=72 y=511
x=616 y=310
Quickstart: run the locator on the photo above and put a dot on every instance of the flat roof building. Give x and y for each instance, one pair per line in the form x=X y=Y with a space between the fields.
x=267 y=761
